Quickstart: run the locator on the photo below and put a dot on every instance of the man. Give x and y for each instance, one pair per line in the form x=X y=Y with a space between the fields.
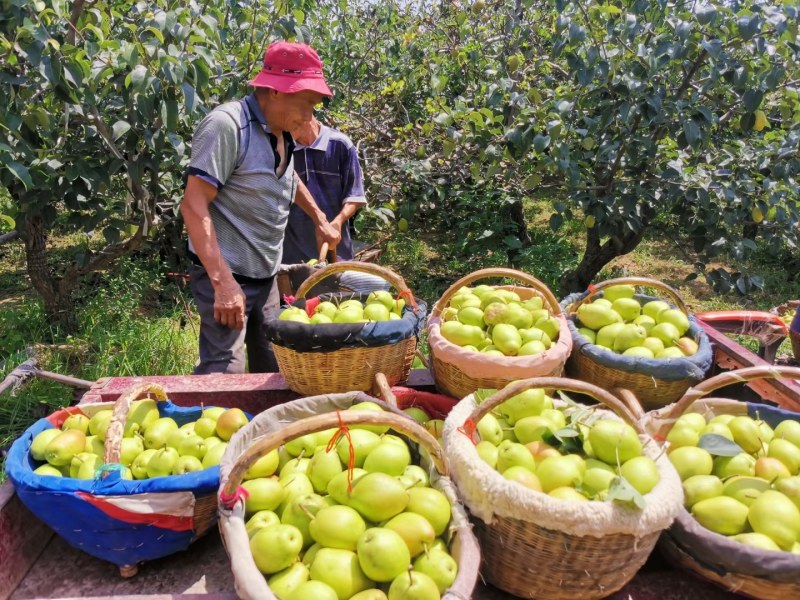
x=236 y=205
x=327 y=162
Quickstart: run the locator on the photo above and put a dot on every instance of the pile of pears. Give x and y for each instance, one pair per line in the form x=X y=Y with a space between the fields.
x=620 y=323
x=497 y=322
x=152 y=445
x=379 y=306
x=740 y=477
x=315 y=538
x=567 y=452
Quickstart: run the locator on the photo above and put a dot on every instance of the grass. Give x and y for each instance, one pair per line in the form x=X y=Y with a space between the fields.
x=131 y=322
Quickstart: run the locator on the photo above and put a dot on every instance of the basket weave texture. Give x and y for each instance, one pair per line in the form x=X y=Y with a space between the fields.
x=655 y=382
x=734 y=566
x=282 y=423
x=537 y=546
x=458 y=371
x=122 y=521
x=349 y=368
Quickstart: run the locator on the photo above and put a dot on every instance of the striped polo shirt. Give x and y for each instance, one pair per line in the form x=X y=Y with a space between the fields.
x=235 y=150
x=330 y=169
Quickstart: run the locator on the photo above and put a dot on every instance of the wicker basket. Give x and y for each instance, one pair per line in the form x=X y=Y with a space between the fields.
x=729 y=564
x=280 y=424
x=454 y=370
x=347 y=368
x=608 y=370
x=101 y=516
x=536 y=546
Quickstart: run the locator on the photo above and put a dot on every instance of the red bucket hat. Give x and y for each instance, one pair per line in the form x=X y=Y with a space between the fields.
x=292 y=68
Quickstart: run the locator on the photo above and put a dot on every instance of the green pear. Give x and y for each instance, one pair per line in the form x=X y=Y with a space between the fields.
x=388 y=457
x=162 y=462
x=40 y=442
x=139 y=464
x=296 y=484
x=283 y=583
x=205 y=427
x=788 y=430
x=744 y=489
x=506 y=338
x=531 y=429
x=313 y=590
x=597 y=480
x=639 y=351
x=47 y=469
x=654 y=308
x=413 y=585
x=129 y=449
x=337 y=526
x=757 y=540
x=615 y=292
x=370 y=594
x=265 y=493
x=175 y=438
x=790 y=487
x=263 y=467
x=606 y=335
x=322 y=467
x=295 y=466
x=186 y=464
x=690 y=461
x=382 y=554
x=549 y=325
x=722 y=515
x=214 y=454
x=431 y=504
x=741 y=464
x=646 y=322
x=193 y=445
x=382 y=297
x=326 y=308
x=416 y=531
x=157 y=433
x=526 y=404
x=489 y=429
x=677 y=317
x=471 y=315
x=261 y=519
x=517 y=315
x=746 y=433
x=338 y=485
x=514 y=454
x=363 y=442
x=378 y=497
x=275 y=548
x=524 y=477
x=642 y=473
x=98 y=424
x=488 y=453
x=76 y=421
x=301 y=510
x=654 y=344
x=614 y=442
x=417 y=413
x=596 y=316
x=667 y=333
x=414 y=476
x=460 y=334
x=229 y=422
x=341 y=570
x=627 y=308
x=88 y=468
x=701 y=487
x=589 y=334
x=439 y=566
x=535 y=334
x=558 y=471
x=777 y=517
x=718 y=429
x=60 y=450
x=771 y=469
x=786 y=452
x=79 y=459
x=141 y=415
x=369 y=407
x=628 y=337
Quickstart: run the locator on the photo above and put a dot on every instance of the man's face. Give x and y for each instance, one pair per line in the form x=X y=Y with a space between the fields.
x=292 y=111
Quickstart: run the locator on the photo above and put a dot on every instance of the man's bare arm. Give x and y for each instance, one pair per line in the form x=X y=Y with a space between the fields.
x=229 y=301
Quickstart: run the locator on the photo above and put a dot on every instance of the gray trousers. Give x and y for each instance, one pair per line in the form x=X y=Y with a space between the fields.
x=222 y=350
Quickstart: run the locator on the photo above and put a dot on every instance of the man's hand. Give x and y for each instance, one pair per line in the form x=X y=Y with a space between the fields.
x=328 y=232
x=229 y=305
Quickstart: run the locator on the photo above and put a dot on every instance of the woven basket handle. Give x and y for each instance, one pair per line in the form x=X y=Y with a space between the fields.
x=528 y=280
x=326 y=254
x=384 y=391
x=637 y=281
x=558 y=383
x=348 y=418
x=669 y=413
x=122 y=406
x=352 y=265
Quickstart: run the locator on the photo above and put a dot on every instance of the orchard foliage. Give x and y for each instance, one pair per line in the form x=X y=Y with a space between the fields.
x=629 y=112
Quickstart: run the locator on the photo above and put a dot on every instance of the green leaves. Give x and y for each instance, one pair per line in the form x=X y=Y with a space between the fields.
x=718 y=445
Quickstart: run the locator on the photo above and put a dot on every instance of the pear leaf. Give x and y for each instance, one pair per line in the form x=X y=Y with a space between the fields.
x=567 y=432
x=623 y=492
x=718 y=445
x=483 y=394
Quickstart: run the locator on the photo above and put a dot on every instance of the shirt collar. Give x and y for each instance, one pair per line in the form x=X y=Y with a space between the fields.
x=255 y=111
x=321 y=143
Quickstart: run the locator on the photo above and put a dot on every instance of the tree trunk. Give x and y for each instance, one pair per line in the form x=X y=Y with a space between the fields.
x=596 y=256
x=56 y=295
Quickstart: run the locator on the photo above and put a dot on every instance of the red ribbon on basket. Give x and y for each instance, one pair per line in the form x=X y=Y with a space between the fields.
x=591 y=288
x=408 y=296
x=311 y=305
x=343 y=431
x=468 y=429
x=229 y=501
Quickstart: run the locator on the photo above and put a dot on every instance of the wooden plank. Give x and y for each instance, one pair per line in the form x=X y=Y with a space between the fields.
x=23 y=537
x=730 y=355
